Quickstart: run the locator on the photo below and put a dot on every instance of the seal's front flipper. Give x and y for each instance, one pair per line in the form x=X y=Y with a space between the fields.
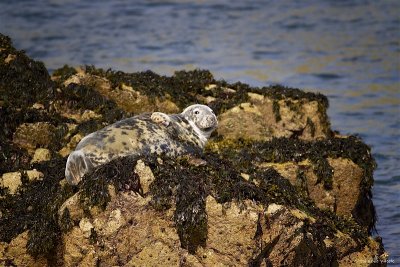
x=77 y=165
x=160 y=118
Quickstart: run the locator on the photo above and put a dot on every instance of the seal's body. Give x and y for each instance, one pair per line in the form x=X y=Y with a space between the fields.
x=149 y=133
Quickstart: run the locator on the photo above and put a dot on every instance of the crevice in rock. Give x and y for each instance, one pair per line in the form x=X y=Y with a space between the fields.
x=264 y=254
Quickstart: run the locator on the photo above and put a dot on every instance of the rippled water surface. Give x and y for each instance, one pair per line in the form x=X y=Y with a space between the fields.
x=348 y=50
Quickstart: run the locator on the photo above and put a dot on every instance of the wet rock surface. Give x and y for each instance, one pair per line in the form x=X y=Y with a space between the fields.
x=275 y=185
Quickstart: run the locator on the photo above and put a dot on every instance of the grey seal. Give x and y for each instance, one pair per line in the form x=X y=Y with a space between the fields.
x=145 y=134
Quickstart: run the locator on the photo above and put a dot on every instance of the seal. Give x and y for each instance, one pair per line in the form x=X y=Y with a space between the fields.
x=145 y=134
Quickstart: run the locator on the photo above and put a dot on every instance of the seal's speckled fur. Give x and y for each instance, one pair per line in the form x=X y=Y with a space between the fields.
x=145 y=134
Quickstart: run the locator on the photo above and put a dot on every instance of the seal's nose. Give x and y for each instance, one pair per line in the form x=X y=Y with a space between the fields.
x=212 y=120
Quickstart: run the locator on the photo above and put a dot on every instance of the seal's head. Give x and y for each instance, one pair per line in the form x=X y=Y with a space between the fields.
x=202 y=119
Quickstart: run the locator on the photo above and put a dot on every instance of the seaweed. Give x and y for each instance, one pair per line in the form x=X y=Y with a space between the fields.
x=190 y=214
x=264 y=254
x=311 y=124
x=279 y=150
x=301 y=182
x=185 y=86
x=34 y=207
x=276 y=110
x=119 y=173
x=93 y=238
x=225 y=98
x=286 y=149
x=224 y=182
x=23 y=80
x=176 y=181
x=64 y=73
x=188 y=191
x=311 y=251
x=66 y=223
x=83 y=97
x=43 y=237
x=280 y=92
x=12 y=158
x=5 y=43
x=182 y=87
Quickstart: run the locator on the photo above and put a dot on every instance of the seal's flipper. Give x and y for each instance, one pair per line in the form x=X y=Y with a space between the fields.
x=160 y=118
x=77 y=165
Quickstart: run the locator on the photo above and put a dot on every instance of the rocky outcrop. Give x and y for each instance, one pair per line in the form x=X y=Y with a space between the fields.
x=327 y=170
x=275 y=185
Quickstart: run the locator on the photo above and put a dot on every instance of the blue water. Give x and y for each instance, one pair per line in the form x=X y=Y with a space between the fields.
x=348 y=50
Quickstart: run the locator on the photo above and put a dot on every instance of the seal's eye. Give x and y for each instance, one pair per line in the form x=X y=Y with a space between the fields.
x=196 y=112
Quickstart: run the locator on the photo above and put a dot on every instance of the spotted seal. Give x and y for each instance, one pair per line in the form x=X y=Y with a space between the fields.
x=145 y=134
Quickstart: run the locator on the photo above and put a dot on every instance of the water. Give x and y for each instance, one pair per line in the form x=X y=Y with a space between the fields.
x=348 y=50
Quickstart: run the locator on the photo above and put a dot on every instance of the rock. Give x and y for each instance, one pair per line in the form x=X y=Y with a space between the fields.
x=231 y=233
x=23 y=81
x=32 y=135
x=78 y=115
x=9 y=58
x=15 y=253
x=275 y=185
x=346 y=176
x=363 y=258
x=38 y=106
x=338 y=183
x=86 y=227
x=75 y=210
x=237 y=235
x=111 y=225
x=263 y=118
x=145 y=174
x=12 y=181
x=126 y=97
x=41 y=154
x=158 y=254
x=65 y=151
x=78 y=249
x=34 y=175
x=126 y=234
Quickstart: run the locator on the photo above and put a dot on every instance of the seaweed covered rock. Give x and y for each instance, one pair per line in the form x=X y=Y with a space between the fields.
x=336 y=172
x=244 y=112
x=23 y=80
x=275 y=184
x=225 y=219
x=263 y=117
x=75 y=102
